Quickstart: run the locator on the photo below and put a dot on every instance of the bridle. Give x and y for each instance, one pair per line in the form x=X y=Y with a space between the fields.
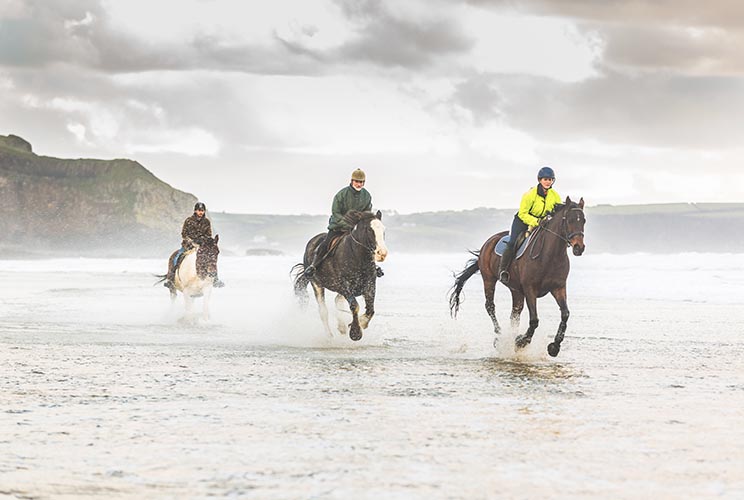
x=565 y=237
x=564 y=223
x=371 y=249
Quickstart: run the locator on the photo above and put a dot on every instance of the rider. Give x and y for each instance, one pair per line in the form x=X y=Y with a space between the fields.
x=351 y=197
x=535 y=204
x=196 y=229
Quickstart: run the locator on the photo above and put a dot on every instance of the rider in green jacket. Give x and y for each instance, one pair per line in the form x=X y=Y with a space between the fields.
x=351 y=197
x=535 y=204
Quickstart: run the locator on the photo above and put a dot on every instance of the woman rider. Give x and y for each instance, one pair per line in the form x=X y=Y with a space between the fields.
x=535 y=204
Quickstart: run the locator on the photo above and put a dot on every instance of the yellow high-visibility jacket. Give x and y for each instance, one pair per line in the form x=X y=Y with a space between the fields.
x=534 y=207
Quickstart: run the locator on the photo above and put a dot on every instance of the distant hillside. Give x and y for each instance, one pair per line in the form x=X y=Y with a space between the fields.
x=669 y=228
x=53 y=206
x=84 y=206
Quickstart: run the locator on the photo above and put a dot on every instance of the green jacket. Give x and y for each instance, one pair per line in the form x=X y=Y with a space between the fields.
x=346 y=200
x=534 y=206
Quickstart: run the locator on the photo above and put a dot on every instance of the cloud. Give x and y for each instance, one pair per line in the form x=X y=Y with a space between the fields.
x=682 y=36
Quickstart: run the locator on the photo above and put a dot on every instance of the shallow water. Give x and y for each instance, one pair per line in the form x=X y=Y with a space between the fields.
x=105 y=393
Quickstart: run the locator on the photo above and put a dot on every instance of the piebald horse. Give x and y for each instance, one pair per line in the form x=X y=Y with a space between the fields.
x=349 y=270
x=195 y=275
x=541 y=270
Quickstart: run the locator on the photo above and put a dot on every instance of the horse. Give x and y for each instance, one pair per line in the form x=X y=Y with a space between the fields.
x=349 y=269
x=195 y=274
x=543 y=268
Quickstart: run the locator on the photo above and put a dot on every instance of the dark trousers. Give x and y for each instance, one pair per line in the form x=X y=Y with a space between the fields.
x=518 y=228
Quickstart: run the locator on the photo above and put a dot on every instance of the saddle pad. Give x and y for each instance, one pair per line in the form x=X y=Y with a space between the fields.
x=501 y=246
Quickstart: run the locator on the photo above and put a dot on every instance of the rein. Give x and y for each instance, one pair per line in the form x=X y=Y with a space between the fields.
x=566 y=238
x=372 y=249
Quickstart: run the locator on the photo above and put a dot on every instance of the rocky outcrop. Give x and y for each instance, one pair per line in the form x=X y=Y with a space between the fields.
x=84 y=205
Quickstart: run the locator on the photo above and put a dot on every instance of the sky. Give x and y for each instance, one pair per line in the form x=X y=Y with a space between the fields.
x=267 y=107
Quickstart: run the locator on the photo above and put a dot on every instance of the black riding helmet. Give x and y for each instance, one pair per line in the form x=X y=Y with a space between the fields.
x=200 y=206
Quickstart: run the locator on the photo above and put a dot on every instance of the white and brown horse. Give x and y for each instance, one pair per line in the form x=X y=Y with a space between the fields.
x=195 y=275
x=349 y=270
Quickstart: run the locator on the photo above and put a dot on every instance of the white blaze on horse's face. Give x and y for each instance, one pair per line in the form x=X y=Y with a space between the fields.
x=381 y=250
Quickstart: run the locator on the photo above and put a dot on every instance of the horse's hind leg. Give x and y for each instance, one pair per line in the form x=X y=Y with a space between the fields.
x=524 y=339
x=489 y=285
x=322 y=307
x=560 y=297
x=341 y=304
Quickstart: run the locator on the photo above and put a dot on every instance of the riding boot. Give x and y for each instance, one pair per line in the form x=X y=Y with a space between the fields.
x=217 y=283
x=318 y=256
x=379 y=271
x=506 y=260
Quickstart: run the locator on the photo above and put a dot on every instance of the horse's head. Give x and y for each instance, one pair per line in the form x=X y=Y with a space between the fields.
x=206 y=258
x=573 y=214
x=370 y=233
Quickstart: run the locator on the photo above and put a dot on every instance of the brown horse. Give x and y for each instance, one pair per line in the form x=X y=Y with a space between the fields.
x=349 y=270
x=543 y=268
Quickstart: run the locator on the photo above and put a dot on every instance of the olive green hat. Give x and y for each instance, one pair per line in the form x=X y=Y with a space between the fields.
x=358 y=175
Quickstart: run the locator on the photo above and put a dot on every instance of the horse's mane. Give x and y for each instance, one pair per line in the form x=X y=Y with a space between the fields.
x=559 y=207
x=353 y=217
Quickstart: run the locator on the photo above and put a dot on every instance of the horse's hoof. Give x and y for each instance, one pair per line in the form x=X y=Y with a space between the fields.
x=355 y=334
x=522 y=341
x=554 y=349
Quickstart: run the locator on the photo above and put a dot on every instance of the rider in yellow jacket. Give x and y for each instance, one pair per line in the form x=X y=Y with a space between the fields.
x=535 y=204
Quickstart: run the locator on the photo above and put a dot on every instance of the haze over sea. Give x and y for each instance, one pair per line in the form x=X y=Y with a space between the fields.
x=104 y=392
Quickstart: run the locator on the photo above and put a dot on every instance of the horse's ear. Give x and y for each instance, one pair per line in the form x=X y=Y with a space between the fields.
x=581 y=202
x=568 y=200
x=379 y=215
x=216 y=239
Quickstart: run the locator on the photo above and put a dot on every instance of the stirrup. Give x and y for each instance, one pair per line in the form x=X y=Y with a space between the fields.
x=380 y=273
x=504 y=277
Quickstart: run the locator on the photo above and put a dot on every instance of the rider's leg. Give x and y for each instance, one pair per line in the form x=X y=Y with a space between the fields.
x=320 y=252
x=517 y=229
x=170 y=277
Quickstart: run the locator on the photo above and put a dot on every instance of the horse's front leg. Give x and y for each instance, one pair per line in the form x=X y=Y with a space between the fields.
x=524 y=339
x=205 y=305
x=560 y=297
x=355 y=331
x=340 y=312
x=188 y=302
x=517 y=308
x=319 y=292
x=369 y=306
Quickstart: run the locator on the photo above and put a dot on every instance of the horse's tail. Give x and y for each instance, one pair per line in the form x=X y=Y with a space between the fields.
x=300 y=283
x=160 y=280
x=470 y=269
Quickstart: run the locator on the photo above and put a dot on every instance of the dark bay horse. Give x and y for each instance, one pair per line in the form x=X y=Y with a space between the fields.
x=349 y=270
x=542 y=269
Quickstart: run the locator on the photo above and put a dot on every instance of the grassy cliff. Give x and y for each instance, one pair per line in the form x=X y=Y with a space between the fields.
x=88 y=206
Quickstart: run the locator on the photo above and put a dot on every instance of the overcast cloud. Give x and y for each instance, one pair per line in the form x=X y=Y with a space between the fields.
x=268 y=107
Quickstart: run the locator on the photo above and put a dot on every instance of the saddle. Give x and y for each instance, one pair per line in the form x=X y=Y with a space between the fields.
x=178 y=258
x=521 y=245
